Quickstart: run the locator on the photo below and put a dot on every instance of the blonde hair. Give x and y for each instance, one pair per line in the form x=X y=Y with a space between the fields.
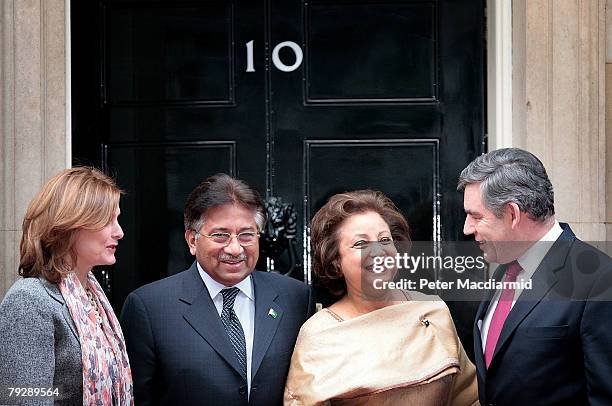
x=74 y=199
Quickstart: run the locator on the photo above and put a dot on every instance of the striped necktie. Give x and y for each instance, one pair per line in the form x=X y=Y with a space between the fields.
x=233 y=328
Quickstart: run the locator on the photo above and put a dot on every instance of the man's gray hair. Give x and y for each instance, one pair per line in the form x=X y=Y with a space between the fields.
x=511 y=175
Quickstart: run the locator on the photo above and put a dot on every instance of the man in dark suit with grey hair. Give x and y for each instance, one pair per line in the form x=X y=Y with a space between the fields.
x=548 y=344
x=218 y=333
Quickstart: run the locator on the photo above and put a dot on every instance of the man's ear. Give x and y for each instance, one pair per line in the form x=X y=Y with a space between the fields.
x=515 y=214
x=190 y=237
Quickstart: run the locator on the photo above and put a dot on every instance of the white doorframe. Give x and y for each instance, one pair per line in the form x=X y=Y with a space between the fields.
x=499 y=73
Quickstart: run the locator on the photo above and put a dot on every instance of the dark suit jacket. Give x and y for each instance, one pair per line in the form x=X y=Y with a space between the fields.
x=180 y=354
x=556 y=345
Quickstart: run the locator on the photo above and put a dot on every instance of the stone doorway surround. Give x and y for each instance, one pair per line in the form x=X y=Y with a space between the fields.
x=34 y=95
x=547 y=92
x=559 y=105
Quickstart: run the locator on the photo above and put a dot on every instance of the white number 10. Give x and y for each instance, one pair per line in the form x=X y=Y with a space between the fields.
x=299 y=56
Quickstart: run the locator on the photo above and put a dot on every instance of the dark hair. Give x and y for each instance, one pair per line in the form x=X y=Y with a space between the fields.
x=511 y=175
x=218 y=190
x=74 y=199
x=326 y=222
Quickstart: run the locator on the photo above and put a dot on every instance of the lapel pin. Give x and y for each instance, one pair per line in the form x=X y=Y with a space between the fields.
x=272 y=313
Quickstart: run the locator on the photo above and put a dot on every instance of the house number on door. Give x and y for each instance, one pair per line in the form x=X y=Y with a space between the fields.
x=275 y=59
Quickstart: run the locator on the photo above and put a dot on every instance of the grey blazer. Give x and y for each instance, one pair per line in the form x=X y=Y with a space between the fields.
x=39 y=345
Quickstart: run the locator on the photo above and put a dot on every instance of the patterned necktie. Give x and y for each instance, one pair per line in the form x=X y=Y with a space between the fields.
x=233 y=328
x=504 y=305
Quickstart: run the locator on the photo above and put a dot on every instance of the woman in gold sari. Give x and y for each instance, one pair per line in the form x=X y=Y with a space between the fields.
x=373 y=346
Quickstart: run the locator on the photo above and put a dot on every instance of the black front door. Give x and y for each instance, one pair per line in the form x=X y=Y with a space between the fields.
x=302 y=99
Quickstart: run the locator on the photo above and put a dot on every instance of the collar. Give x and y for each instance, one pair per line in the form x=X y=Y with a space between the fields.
x=214 y=287
x=52 y=289
x=532 y=258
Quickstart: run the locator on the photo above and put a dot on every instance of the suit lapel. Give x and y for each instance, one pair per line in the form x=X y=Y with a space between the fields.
x=544 y=278
x=202 y=316
x=478 y=354
x=55 y=293
x=268 y=315
x=68 y=318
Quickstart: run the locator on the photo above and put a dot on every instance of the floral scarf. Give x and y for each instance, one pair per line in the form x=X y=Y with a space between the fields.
x=107 y=378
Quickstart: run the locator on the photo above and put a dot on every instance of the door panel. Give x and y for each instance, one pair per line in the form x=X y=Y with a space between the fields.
x=157 y=178
x=360 y=53
x=369 y=159
x=166 y=53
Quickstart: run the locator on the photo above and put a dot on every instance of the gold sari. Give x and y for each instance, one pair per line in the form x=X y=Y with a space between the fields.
x=404 y=354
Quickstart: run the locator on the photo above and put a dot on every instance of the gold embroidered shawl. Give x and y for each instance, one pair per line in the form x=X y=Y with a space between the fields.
x=404 y=354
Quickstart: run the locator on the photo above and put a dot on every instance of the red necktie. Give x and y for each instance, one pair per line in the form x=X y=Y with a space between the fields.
x=501 y=312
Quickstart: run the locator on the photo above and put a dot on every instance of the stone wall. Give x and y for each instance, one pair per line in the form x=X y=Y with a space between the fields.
x=608 y=120
x=33 y=139
x=559 y=104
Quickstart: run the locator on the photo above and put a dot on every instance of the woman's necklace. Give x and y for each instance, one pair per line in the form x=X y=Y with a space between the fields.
x=94 y=304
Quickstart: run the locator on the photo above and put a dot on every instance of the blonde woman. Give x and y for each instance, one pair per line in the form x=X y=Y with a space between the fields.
x=60 y=342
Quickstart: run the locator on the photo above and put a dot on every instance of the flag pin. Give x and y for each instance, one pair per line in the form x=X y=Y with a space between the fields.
x=272 y=313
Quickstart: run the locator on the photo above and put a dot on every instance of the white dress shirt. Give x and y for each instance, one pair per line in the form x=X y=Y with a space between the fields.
x=529 y=262
x=244 y=307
